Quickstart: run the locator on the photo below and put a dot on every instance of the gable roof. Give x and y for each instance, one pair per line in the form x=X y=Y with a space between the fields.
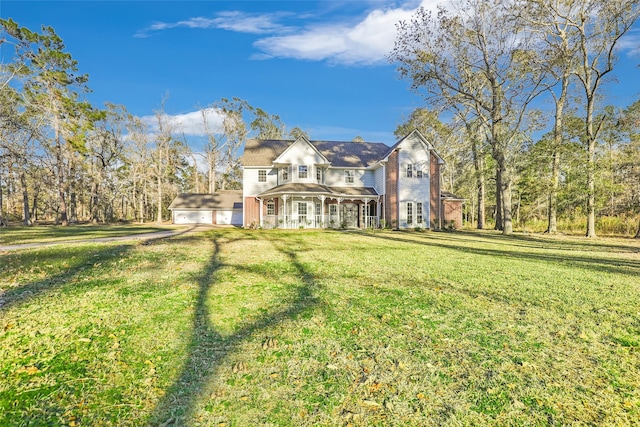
x=229 y=199
x=262 y=152
x=302 y=139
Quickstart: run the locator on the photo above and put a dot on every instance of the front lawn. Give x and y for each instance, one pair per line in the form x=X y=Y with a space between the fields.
x=306 y=328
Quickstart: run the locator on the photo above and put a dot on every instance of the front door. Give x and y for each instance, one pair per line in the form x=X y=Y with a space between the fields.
x=350 y=215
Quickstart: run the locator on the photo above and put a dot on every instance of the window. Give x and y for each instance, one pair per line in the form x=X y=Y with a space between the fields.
x=318 y=210
x=262 y=175
x=303 y=171
x=319 y=175
x=409 y=170
x=349 y=177
x=271 y=207
x=302 y=213
x=418 y=171
x=285 y=174
x=419 y=212
x=333 y=210
x=409 y=213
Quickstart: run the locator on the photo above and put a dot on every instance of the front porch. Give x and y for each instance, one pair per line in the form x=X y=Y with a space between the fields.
x=320 y=211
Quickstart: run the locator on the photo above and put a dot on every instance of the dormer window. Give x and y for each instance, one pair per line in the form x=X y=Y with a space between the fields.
x=349 y=176
x=319 y=175
x=284 y=173
x=303 y=171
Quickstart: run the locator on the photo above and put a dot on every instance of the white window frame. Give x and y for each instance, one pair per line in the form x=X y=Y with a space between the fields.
x=303 y=171
x=319 y=175
x=418 y=171
x=285 y=173
x=409 y=170
x=419 y=217
x=349 y=176
x=262 y=175
x=409 y=213
x=271 y=207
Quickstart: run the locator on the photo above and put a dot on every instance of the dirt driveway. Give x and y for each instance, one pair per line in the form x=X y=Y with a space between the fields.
x=140 y=236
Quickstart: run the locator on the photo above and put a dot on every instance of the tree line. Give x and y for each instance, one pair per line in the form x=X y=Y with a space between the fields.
x=487 y=71
x=488 y=66
x=64 y=160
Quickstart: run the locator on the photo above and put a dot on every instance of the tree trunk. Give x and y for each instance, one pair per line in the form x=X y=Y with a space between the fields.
x=591 y=181
x=93 y=203
x=481 y=191
x=499 y=224
x=478 y=164
x=552 y=227
x=505 y=190
x=25 y=199
x=159 y=217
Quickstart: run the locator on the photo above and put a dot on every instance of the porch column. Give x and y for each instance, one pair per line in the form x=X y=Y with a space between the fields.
x=284 y=209
x=261 y=208
x=339 y=199
x=365 y=214
x=322 y=221
x=378 y=210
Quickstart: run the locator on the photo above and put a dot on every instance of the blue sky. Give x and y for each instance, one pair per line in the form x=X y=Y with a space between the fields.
x=320 y=65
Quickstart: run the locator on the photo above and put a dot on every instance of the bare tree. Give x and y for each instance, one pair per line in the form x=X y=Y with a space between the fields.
x=475 y=54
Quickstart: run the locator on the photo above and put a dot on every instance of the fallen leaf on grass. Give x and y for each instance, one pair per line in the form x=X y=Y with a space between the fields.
x=84 y=339
x=31 y=370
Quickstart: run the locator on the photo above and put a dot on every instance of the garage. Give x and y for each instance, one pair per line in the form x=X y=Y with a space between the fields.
x=223 y=208
x=229 y=217
x=192 y=217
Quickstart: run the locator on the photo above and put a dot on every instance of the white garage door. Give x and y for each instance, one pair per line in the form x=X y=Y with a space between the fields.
x=230 y=217
x=193 y=217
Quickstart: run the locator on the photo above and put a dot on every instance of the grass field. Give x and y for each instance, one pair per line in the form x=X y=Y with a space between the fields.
x=311 y=328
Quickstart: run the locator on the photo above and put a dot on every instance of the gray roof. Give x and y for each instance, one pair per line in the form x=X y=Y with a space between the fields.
x=229 y=199
x=262 y=152
x=320 y=190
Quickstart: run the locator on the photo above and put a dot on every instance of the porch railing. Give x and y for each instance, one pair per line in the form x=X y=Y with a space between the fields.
x=312 y=221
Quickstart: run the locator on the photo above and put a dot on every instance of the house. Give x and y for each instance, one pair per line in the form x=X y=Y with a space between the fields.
x=223 y=207
x=315 y=184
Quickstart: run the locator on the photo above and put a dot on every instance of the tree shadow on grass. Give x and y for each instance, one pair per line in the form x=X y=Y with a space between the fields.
x=208 y=348
x=569 y=258
x=79 y=259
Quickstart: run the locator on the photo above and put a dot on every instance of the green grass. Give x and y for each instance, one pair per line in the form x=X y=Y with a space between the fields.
x=52 y=233
x=308 y=328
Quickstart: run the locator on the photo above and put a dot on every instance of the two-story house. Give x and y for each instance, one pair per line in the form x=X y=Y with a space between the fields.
x=316 y=184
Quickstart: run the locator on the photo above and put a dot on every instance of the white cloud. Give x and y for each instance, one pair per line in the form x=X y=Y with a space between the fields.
x=368 y=41
x=189 y=124
x=364 y=40
x=630 y=43
x=231 y=21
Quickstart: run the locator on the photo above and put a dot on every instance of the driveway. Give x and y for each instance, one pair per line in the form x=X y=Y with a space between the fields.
x=141 y=236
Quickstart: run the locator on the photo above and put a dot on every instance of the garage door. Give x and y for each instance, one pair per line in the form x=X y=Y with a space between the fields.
x=229 y=217
x=193 y=217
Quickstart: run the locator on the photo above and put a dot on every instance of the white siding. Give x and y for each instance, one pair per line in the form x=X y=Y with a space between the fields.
x=251 y=186
x=361 y=178
x=413 y=151
x=301 y=153
x=379 y=179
